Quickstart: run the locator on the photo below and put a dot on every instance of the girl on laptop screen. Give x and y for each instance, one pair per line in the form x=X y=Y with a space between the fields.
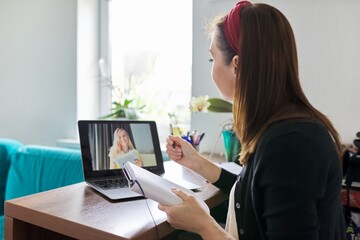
x=123 y=150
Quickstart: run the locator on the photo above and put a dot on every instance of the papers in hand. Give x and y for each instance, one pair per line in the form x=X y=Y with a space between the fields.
x=126 y=157
x=155 y=187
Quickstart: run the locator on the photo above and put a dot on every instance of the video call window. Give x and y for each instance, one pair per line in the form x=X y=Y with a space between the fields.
x=114 y=144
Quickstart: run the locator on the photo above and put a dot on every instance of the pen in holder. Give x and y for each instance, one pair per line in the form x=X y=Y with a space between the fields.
x=194 y=138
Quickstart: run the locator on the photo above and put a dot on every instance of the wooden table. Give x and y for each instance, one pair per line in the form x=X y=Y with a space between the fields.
x=77 y=212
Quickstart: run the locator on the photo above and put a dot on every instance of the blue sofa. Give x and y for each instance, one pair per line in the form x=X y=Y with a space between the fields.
x=29 y=169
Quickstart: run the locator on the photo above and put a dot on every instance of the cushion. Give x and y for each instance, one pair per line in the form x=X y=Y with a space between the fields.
x=35 y=169
x=7 y=148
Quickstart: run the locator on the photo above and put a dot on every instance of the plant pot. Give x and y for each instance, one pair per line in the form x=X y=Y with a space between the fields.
x=130 y=113
x=232 y=145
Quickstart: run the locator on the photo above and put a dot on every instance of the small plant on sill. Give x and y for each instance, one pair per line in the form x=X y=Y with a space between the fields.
x=122 y=108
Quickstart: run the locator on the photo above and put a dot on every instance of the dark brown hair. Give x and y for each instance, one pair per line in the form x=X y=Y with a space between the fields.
x=267 y=88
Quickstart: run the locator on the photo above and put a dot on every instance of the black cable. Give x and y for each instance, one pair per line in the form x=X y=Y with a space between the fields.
x=147 y=204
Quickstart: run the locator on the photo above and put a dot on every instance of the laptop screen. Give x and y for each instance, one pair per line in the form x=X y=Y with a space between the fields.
x=107 y=144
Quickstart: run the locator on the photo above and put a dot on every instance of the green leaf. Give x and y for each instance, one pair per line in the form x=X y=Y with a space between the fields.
x=113 y=115
x=127 y=102
x=123 y=110
x=116 y=104
x=219 y=105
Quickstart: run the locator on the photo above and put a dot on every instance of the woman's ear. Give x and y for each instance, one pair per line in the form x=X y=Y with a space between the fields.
x=234 y=63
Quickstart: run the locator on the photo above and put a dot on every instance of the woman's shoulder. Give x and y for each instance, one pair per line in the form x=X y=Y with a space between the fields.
x=297 y=139
x=295 y=127
x=294 y=147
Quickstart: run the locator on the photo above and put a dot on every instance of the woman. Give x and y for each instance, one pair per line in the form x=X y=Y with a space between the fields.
x=290 y=184
x=123 y=150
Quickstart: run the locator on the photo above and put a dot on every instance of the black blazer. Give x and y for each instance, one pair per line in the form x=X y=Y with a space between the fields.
x=290 y=187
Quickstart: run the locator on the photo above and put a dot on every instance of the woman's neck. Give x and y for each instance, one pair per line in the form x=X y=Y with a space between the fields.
x=125 y=148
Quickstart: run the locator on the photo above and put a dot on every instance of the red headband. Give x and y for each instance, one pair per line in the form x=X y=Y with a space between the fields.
x=232 y=25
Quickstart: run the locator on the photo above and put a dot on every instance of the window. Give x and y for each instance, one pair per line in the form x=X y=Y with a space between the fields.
x=149 y=56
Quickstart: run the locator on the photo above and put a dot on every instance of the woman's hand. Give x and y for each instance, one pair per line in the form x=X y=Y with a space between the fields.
x=182 y=152
x=189 y=215
x=138 y=162
x=192 y=216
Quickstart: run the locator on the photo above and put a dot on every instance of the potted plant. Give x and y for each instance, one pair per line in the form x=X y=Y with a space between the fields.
x=124 y=110
x=231 y=142
x=123 y=107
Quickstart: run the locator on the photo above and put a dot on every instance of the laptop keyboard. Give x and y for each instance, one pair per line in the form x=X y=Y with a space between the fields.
x=112 y=183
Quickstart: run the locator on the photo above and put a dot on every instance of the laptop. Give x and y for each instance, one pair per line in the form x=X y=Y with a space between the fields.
x=107 y=144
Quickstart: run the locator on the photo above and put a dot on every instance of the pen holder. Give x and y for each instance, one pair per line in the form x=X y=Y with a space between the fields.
x=196 y=146
x=232 y=145
x=194 y=138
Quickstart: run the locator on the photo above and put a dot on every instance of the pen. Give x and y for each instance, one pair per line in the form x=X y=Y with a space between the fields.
x=186 y=138
x=172 y=134
x=201 y=136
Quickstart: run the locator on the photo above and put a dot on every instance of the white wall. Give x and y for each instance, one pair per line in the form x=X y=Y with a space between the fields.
x=88 y=90
x=328 y=37
x=38 y=70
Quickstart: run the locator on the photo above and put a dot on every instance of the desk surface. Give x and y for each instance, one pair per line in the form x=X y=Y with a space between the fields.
x=78 y=212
